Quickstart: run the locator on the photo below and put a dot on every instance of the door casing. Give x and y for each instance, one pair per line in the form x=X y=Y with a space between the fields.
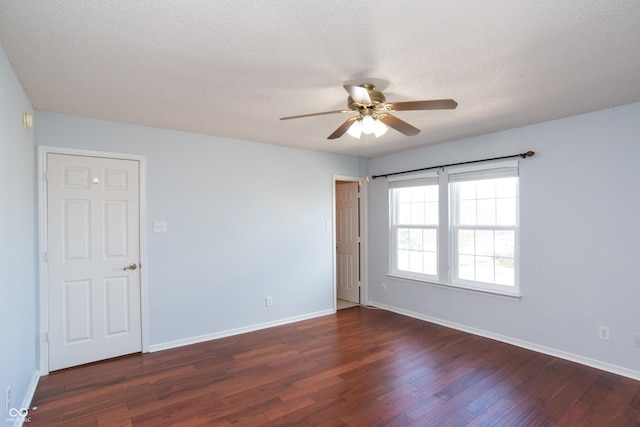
x=43 y=285
x=364 y=294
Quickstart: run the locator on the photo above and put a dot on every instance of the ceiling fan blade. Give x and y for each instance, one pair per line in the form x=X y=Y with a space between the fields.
x=399 y=125
x=343 y=128
x=315 y=114
x=434 y=104
x=358 y=94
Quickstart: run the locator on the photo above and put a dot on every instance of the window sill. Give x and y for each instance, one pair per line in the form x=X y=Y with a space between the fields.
x=462 y=288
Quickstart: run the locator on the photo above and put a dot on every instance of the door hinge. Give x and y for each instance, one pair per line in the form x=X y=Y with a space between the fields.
x=45 y=257
x=45 y=337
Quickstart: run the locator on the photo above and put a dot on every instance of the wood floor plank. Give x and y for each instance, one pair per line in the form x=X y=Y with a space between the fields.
x=358 y=367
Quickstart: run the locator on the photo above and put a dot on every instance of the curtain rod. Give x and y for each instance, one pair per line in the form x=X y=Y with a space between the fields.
x=523 y=155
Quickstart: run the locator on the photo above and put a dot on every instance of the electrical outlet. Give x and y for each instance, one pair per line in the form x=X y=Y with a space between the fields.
x=268 y=301
x=383 y=286
x=8 y=399
x=603 y=333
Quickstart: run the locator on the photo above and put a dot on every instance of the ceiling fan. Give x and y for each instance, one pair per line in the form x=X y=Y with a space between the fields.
x=374 y=112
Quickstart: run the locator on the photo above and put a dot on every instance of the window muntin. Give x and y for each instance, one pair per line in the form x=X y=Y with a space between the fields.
x=486 y=256
x=487 y=202
x=417 y=250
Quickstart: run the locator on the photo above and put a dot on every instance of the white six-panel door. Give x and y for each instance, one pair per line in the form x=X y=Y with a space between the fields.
x=93 y=259
x=347 y=242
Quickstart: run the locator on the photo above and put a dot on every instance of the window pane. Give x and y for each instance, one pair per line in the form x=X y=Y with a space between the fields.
x=417 y=205
x=466 y=267
x=417 y=194
x=404 y=213
x=487 y=212
x=403 y=238
x=417 y=213
x=430 y=242
x=486 y=189
x=468 y=212
x=431 y=213
x=466 y=242
x=484 y=269
x=430 y=263
x=431 y=193
x=484 y=242
x=417 y=250
x=506 y=211
x=506 y=187
x=415 y=261
x=404 y=195
x=487 y=202
x=505 y=271
x=505 y=243
x=403 y=260
x=415 y=239
x=467 y=190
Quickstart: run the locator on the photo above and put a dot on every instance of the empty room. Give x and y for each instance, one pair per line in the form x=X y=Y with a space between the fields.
x=410 y=213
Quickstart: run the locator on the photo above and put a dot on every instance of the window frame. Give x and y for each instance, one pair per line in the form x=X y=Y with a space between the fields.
x=406 y=182
x=447 y=229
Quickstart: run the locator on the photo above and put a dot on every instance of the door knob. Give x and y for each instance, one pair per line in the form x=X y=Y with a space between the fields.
x=132 y=266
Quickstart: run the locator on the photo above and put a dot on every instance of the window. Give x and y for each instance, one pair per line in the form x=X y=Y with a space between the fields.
x=484 y=227
x=470 y=239
x=414 y=227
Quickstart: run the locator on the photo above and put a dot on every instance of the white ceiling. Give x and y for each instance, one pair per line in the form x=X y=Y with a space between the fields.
x=233 y=68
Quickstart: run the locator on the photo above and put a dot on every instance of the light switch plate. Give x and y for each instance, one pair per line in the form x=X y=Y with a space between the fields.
x=159 y=226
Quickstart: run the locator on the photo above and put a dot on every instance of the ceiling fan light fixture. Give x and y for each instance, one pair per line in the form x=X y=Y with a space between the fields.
x=355 y=130
x=379 y=128
x=368 y=124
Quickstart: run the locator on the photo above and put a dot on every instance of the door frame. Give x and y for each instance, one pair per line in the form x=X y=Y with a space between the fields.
x=43 y=277
x=364 y=293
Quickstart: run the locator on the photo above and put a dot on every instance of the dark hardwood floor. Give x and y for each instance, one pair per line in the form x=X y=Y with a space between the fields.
x=360 y=367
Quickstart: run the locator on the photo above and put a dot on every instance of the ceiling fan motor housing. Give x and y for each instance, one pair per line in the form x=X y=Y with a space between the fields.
x=377 y=98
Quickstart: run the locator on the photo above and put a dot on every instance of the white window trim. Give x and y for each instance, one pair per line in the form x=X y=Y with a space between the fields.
x=393 y=226
x=461 y=288
x=447 y=244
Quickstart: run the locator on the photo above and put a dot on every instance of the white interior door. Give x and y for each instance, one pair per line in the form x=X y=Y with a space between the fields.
x=347 y=242
x=93 y=259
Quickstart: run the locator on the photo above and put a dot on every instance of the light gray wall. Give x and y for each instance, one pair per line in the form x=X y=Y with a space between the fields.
x=18 y=303
x=580 y=237
x=245 y=221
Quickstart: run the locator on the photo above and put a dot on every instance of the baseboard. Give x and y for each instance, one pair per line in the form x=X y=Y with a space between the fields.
x=231 y=332
x=619 y=370
x=26 y=401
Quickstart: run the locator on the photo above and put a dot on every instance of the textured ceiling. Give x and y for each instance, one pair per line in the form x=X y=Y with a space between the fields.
x=232 y=68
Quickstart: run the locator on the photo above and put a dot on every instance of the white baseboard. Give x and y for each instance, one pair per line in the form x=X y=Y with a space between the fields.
x=231 y=332
x=619 y=370
x=28 y=398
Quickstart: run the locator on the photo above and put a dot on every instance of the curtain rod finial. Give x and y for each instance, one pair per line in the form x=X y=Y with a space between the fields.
x=527 y=154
